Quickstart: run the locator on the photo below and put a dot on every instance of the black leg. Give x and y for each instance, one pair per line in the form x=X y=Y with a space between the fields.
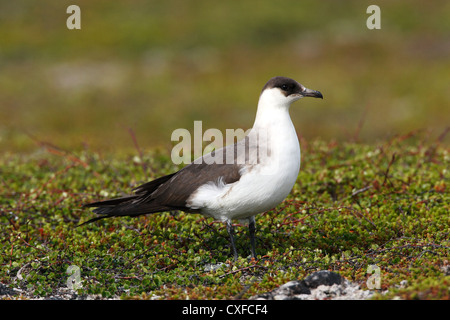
x=252 y=229
x=230 y=230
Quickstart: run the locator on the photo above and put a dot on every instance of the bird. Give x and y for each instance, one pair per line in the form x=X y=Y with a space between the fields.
x=252 y=176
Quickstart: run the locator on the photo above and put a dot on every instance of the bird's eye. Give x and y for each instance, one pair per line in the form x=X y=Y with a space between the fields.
x=284 y=87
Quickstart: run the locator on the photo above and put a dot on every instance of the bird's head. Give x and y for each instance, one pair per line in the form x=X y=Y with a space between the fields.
x=284 y=91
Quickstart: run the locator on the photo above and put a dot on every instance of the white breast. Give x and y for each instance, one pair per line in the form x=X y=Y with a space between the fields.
x=264 y=184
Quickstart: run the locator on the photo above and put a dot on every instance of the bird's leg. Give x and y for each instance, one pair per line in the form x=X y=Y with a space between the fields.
x=230 y=230
x=252 y=229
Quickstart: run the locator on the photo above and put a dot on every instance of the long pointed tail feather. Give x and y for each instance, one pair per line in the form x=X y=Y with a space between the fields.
x=107 y=208
x=125 y=206
x=133 y=205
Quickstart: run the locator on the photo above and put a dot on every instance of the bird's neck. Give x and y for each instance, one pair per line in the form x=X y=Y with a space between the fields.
x=274 y=130
x=273 y=127
x=271 y=115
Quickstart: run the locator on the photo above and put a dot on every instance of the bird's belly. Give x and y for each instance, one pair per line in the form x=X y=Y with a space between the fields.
x=260 y=189
x=263 y=184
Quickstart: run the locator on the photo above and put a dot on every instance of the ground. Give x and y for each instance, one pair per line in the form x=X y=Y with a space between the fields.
x=355 y=205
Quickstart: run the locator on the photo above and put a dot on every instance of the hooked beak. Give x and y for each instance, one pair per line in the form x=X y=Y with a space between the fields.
x=311 y=93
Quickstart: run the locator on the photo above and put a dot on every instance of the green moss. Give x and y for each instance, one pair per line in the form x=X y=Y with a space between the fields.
x=353 y=206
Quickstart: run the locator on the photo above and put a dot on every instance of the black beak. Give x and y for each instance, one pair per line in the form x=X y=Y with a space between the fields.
x=311 y=93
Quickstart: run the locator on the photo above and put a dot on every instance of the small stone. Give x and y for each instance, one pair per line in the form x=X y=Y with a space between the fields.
x=446 y=269
x=214 y=267
x=6 y=291
x=280 y=297
x=323 y=277
x=321 y=285
x=294 y=287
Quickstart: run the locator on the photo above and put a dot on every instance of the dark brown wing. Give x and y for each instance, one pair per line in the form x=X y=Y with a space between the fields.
x=169 y=192
x=185 y=182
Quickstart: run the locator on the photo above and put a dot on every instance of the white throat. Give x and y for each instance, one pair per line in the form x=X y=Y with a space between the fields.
x=274 y=122
x=273 y=110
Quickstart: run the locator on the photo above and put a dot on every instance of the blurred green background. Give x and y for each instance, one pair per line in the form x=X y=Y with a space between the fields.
x=154 y=66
